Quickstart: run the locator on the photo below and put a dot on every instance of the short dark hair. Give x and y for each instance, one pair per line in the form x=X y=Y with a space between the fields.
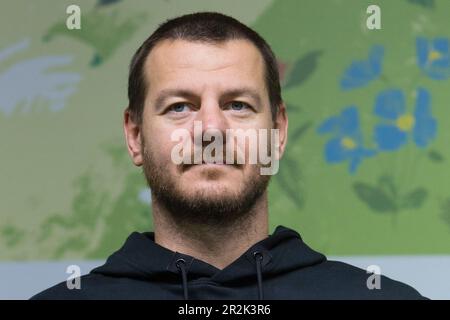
x=209 y=27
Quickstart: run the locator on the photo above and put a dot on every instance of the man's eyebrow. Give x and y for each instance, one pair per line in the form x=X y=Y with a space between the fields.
x=248 y=92
x=167 y=93
x=188 y=94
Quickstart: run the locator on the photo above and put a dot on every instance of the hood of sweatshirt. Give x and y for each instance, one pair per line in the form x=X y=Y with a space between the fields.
x=142 y=259
x=280 y=266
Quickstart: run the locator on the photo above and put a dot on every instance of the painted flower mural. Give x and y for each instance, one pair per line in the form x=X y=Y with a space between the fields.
x=398 y=124
x=347 y=142
x=361 y=72
x=103 y=31
x=28 y=81
x=433 y=57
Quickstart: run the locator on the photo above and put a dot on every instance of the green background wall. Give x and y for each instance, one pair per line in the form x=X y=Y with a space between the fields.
x=69 y=191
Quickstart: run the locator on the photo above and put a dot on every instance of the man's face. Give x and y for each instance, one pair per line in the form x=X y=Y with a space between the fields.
x=221 y=85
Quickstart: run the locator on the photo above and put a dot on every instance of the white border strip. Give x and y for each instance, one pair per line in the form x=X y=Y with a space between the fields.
x=430 y=275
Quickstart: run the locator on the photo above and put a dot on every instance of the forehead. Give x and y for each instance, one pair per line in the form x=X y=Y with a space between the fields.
x=197 y=65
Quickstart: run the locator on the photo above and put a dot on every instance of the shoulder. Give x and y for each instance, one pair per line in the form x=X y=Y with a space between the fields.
x=92 y=286
x=357 y=283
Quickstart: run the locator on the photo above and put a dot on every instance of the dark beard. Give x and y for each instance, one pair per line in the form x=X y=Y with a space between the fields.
x=216 y=212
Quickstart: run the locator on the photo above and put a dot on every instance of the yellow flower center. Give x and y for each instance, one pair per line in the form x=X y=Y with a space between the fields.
x=348 y=143
x=434 y=55
x=405 y=122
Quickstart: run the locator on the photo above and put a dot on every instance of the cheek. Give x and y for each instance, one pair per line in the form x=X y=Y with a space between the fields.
x=159 y=144
x=163 y=140
x=262 y=127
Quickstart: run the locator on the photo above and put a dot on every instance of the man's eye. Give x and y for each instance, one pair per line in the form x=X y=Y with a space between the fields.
x=238 y=106
x=179 y=107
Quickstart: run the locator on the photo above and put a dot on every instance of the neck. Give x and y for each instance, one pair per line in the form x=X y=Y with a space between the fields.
x=216 y=245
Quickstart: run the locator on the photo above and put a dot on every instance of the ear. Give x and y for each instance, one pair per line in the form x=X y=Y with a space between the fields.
x=132 y=133
x=281 y=123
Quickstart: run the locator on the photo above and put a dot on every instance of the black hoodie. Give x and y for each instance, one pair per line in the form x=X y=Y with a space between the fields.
x=281 y=266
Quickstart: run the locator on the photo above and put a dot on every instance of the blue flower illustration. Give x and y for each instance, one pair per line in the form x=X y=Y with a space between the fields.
x=433 y=57
x=361 y=72
x=398 y=124
x=346 y=145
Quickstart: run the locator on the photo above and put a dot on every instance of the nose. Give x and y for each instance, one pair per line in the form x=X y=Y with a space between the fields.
x=212 y=116
x=213 y=124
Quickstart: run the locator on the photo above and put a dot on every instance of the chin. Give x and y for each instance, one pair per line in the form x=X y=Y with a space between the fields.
x=211 y=188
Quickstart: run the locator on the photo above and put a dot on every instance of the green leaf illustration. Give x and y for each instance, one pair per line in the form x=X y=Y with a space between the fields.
x=445 y=211
x=375 y=198
x=435 y=156
x=102 y=30
x=303 y=68
x=290 y=174
x=424 y=3
x=12 y=235
x=289 y=178
x=414 y=199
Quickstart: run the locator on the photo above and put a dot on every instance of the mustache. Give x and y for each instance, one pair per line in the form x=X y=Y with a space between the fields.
x=236 y=148
x=204 y=155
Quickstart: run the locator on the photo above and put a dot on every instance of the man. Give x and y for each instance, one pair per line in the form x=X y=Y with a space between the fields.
x=211 y=238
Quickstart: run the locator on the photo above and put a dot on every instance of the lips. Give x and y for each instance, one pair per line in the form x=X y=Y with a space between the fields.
x=217 y=164
x=211 y=165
